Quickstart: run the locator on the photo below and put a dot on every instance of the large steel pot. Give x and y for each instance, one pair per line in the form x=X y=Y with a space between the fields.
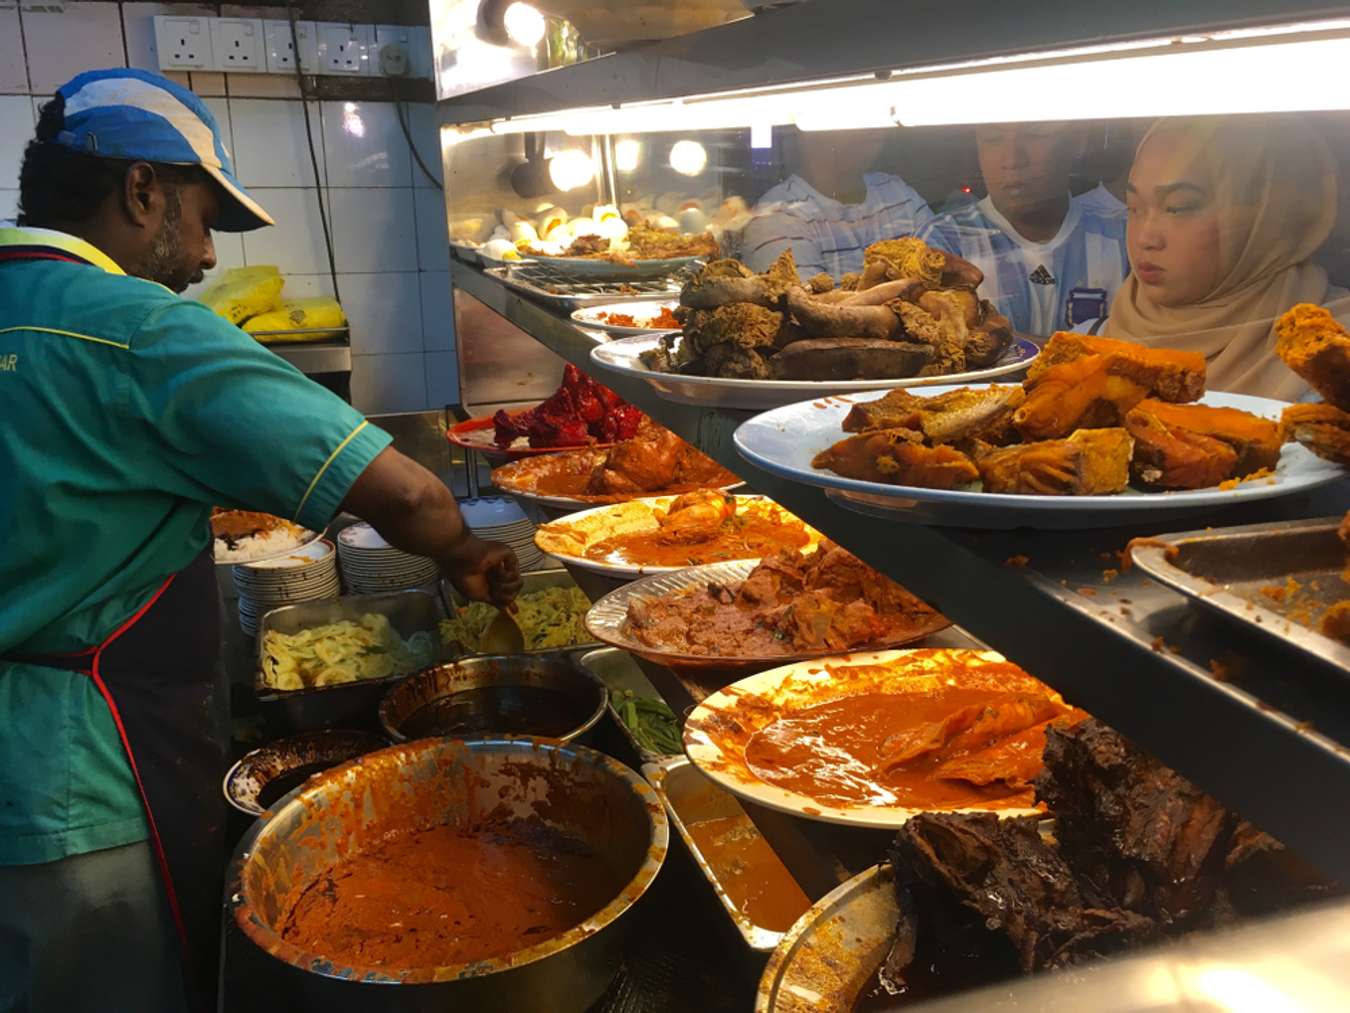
x=347 y=809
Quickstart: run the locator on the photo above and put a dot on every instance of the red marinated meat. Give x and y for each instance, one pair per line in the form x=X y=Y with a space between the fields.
x=579 y=412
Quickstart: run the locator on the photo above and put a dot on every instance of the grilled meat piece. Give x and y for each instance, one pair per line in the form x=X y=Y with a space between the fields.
x=736 y=361
x=1091 y=462
x=1146 y=836
x=1017 y=886
x=898 y=457
x=969 y=413
x=1255 y=440
x=850 y=359
x=989 y=339
x=1166 y=374
x=729 y=281
x=1315 y=346
x=1082 y=394
x=1322 y=428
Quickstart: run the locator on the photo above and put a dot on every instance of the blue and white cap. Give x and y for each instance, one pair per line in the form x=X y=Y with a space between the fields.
x=141 y=116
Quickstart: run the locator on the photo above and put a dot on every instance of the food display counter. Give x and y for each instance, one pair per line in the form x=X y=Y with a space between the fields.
x=1259 y=723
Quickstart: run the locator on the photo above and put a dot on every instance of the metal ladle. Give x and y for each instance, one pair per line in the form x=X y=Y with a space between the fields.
x=502 y=636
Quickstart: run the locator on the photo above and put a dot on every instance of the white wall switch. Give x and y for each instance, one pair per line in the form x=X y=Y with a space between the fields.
x=237 y=45
x=345 y=49
x=280 y=49
x=183 y=43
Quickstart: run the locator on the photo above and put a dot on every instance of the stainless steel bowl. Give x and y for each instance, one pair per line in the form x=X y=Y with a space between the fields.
x=438 y=685
x=312 y=751
x=346 y=810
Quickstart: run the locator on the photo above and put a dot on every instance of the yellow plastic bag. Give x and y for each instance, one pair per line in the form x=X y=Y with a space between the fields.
x=244 y=292
x=316 y=314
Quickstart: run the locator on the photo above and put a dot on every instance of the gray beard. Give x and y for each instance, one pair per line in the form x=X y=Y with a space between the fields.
x=166 y=253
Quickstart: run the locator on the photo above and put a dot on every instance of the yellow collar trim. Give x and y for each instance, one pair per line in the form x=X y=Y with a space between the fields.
x=61 y=241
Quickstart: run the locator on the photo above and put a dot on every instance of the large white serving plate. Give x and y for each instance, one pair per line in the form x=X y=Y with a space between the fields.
x=591 y=316
x=913 y=670
x=621 y=356
x=568 y=537
x=784 y=441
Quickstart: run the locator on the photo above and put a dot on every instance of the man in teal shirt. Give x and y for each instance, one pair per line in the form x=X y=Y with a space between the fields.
x=128 y=412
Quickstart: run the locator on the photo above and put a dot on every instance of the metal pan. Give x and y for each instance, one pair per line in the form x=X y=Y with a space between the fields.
x=744 y=870
x=535 y=580
x=620 y=674
x=1244 y=574
x=308 y=752
x=351 y=704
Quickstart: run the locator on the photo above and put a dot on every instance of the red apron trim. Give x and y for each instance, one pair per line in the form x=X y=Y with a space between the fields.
x=161 y=856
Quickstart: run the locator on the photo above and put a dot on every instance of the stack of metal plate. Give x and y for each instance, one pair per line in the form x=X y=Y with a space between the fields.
x=305 y=574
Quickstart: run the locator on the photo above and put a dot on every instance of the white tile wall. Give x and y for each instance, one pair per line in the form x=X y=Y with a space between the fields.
x=433 y=241
x=438 y=314
x=296 y=244
x=388 y=220
x=389 y=383
x=364 y=145
x=16 y=130
x=372 y=230
x=270 y=146
x=13 y=70
x=384 y=311
x=84 y=36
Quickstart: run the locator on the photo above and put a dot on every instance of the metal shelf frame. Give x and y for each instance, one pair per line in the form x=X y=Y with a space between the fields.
x=1272 y=741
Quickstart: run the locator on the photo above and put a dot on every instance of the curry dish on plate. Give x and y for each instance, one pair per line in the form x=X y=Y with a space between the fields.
x=654 y=461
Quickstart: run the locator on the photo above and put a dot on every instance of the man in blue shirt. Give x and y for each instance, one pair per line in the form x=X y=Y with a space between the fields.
x=1050 y=260
x=129 y=413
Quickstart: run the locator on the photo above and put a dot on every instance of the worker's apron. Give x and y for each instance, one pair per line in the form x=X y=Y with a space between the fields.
x=157 y=674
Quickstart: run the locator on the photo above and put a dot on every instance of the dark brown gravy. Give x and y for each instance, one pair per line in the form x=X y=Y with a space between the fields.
x=499 y=710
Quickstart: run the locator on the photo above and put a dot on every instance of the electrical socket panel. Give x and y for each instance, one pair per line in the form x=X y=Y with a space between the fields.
x=183 y=43
x=281 y=50
x=237 y=45
x=402 y=51
x=345 y=49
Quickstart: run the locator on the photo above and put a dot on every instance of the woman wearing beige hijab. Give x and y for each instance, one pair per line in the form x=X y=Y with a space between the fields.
x=1224 y=214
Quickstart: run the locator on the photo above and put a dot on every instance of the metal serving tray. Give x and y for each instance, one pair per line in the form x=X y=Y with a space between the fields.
x=1225 y=570
x=619 y=672
x=539 y=281
x=535 y=580
x=351 y=704
x=689 y=796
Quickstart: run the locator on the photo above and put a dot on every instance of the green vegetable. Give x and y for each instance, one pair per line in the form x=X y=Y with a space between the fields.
x=653 y=725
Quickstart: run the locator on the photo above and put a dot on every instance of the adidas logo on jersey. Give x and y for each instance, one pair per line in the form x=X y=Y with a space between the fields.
x=1042 y=277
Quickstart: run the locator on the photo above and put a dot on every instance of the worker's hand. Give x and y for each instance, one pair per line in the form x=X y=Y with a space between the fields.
x=484 y=571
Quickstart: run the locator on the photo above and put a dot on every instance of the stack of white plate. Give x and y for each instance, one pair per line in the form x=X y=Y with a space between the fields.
x=370 y=565
x=305 y=574
x=500 y=519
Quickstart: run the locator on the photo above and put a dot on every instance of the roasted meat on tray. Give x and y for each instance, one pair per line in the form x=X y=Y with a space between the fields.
x=966 y=414
x=1167 y=374
x=1196 y=446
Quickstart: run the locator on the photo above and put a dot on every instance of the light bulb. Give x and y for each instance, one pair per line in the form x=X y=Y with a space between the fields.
x=570 y=169
x=524 y=24
x=688 y=157
x=627 y=153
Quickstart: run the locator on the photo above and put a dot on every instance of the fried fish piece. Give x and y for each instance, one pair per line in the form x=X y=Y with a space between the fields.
x=897 y=457
x=1322 y=428
x=1167 y=374
x=1256 y=440
x=1168 y=457
x=1080 y=394
x=969 y=413
x=1315 y=346
x=1091 y=462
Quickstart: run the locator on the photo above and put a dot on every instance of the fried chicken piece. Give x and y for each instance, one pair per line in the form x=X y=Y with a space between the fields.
x=1081 y=394
x=734 y=362
x=727 y=281
x=698 y=516
x=1322 y=428
x=966 y=414
x=1315 y=346
x=647 y=243
x=897 y=457
x=1172 y=457
x=1166 y=374
x=645 y=463
x=902 y=258
x=1255 y=440
x=1091 y=462
x=739 y=323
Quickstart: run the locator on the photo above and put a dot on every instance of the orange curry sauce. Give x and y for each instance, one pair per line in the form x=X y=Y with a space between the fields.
x=748 y=536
